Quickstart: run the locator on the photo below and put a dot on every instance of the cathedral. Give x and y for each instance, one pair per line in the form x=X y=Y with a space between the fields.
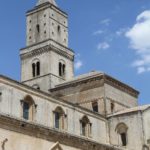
x=51 y=109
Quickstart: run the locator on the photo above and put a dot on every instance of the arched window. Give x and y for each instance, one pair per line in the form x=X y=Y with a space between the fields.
x=62 y=69
x=33 y=69
x=86 y=127
x=59 y=118
x=28 y=108
x=36 y=68
x=122 y=133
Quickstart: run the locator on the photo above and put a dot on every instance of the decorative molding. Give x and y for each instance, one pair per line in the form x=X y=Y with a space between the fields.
x=46 y=49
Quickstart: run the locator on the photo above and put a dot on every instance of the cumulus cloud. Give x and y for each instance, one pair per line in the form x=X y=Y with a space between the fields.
x=103 y=46
x=139 y=36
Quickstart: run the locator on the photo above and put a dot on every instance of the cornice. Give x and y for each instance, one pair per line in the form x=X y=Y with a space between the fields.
x=38 y=131
x=46 y=49
x=121 y=86
x=104 y=78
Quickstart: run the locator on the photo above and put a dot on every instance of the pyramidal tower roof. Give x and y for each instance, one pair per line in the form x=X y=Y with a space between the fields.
x=45 y=1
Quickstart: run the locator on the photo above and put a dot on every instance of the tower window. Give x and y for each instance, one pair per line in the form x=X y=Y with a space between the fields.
x=58 y=29
x=95 y=106
x=36 y=68
x=33 y=69
x=62 y=69
x=38 y=28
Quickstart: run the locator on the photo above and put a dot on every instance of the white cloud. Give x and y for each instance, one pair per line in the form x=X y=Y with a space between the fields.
x=78 y=64
x=103 y=46
x=105 y=22
x=139 y=36
x=141 y=70
x=98 y=32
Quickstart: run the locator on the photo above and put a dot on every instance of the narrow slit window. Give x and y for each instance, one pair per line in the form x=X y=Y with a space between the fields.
x=112 y=107
x=38 y=28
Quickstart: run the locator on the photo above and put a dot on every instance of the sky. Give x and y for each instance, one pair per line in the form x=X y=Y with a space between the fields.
x=111 y=36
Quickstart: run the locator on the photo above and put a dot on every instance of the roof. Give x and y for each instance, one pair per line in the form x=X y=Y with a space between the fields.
x=45 y=1
x=97 y=75
x=81 y=77
x=131 y=110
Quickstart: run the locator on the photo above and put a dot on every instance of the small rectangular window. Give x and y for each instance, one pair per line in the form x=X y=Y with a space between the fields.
x=95 y=106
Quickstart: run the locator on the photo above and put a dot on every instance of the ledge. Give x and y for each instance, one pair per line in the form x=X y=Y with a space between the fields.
x=35 y=130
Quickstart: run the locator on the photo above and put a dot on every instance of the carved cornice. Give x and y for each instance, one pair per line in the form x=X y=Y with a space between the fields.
x=35 y=130
x=46 y=49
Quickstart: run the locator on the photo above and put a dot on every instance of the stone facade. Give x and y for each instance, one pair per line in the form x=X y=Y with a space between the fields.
x=50 y=109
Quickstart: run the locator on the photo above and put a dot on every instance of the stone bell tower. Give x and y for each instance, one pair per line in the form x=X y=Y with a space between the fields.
x=46 y=60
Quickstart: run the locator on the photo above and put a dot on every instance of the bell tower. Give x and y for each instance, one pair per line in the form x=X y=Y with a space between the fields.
x=46 y=60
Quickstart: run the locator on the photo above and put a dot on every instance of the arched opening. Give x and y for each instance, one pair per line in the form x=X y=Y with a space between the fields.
x=59 y=118
x=62 y=68
x=122 y=134
x=28 y=108
x=36 y=69
x=86 y=126
x=33 y=69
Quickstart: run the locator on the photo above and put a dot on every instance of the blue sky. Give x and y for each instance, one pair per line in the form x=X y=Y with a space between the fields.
x=112 y=36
